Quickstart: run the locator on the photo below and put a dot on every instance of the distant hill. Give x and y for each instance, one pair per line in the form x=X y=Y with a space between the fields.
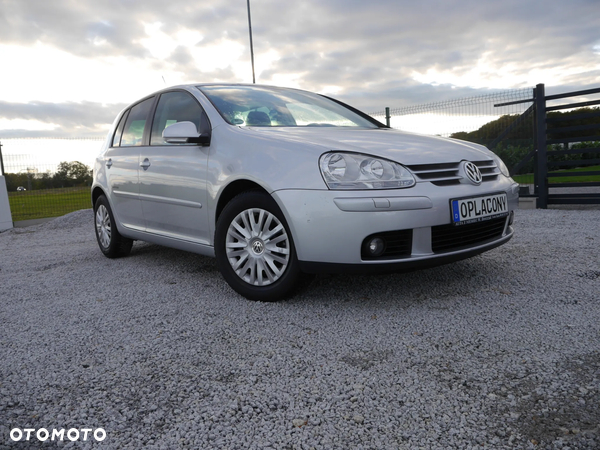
x=524 y=132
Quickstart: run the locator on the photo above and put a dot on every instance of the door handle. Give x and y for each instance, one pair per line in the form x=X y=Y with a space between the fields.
x=108 y=163
x=145 y=164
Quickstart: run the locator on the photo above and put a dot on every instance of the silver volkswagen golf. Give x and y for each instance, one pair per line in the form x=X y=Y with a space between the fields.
x=279 y=184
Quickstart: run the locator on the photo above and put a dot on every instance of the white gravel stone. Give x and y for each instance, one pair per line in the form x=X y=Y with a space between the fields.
x=358 y=419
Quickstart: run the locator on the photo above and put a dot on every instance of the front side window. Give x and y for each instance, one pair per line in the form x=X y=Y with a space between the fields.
x=277 y=107
x=175 y=107
x=133 y=132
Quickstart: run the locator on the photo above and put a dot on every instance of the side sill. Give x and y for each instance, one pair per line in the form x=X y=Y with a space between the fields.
x=171 y=242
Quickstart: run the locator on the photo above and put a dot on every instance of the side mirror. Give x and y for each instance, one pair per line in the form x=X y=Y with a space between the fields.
x=185 y=133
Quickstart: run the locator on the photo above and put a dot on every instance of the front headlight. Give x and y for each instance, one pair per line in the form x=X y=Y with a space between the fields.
x=343 y=170
x=502 y=167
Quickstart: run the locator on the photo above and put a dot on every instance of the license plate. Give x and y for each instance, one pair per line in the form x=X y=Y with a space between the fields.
x=477 y=209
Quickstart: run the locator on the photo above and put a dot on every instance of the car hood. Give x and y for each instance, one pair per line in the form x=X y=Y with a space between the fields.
x=399 y=146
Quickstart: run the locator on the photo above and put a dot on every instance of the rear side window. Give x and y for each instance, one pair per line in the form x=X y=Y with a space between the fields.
x=117 y=137
x=133 y=131
x=176 y=107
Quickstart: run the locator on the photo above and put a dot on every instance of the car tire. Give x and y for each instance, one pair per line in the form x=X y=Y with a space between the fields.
x=254 y=248
x=110 y=241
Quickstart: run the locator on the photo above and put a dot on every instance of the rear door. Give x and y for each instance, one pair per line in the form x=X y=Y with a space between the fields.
x=172 y=179
x=122 y=163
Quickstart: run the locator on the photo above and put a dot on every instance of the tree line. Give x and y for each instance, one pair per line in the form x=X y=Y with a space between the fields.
x=520 y=141
x=68 y=174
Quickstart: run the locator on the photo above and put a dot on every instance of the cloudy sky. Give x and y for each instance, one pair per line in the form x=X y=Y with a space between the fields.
x=69 y=66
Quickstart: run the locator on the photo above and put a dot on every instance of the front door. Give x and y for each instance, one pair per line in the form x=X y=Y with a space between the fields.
x=173 y=176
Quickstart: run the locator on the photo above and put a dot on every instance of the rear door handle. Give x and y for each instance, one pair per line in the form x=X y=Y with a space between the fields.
x=145 y=164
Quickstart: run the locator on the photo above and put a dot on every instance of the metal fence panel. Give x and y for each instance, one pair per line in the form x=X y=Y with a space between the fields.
x=48 y=177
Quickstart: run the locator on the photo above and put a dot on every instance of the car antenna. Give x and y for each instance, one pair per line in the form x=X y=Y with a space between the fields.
x=164 y=80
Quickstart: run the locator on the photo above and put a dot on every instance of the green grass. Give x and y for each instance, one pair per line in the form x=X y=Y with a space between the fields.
x=523 y=179
x=528 y=178
x=39 y=204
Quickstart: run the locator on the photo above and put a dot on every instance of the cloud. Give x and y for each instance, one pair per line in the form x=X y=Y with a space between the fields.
x=70 y=119
x=371 y=54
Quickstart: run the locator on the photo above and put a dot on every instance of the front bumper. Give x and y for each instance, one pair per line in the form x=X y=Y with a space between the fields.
x=329 y=227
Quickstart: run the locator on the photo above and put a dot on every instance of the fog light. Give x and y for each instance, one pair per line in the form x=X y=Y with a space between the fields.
x=376 y=247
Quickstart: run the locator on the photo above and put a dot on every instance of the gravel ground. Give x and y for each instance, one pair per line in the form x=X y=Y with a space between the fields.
x=499 y=351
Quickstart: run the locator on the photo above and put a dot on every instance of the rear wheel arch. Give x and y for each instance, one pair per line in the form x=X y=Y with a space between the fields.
x=97 y=192
x=110 y=241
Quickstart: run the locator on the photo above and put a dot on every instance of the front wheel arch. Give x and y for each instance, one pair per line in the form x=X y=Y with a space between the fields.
x=232 y=190
x=253 y=243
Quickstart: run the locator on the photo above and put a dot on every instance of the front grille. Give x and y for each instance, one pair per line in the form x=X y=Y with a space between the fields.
x=445 y=238
x=489 y=170
x=398 y=244
x=446 y=174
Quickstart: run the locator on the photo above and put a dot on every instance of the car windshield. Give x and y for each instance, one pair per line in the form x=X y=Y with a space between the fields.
x=259 y=106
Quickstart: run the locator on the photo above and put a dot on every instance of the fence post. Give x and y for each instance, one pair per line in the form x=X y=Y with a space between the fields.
x=6 y=222
x=1 y=162
x=542 y=157
x=387 y=116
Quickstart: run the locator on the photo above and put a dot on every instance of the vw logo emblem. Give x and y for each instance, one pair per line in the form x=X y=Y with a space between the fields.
x=257 y=247
x=472 y=172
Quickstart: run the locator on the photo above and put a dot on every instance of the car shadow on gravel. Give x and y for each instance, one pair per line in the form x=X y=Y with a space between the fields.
x=460 y=279
x=178 y=259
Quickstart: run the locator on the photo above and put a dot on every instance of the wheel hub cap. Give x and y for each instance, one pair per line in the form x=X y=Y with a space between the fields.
x=257 y=247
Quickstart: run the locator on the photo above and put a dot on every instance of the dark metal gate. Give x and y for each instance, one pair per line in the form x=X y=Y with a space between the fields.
x=558 y=138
